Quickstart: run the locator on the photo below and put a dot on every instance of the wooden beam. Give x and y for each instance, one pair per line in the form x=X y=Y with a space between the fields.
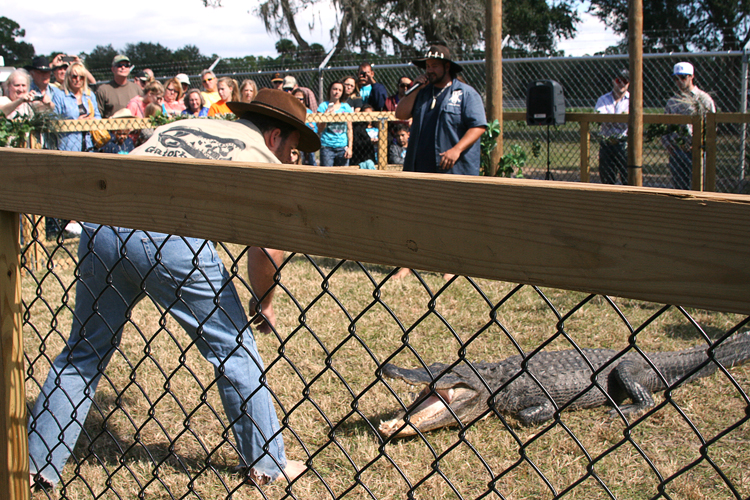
x=14 y=454
x=675 y=247
x=585 y=143
x=494 y=74
x=711 y=152
x=635 y=115
x=697 y=153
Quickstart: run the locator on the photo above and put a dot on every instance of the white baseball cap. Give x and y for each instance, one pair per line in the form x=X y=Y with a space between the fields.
x=683 y=68
x=183 y=78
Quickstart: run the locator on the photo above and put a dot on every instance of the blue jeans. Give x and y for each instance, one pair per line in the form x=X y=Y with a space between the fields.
x=185 y=277
x=333 y=157
x=681 y=167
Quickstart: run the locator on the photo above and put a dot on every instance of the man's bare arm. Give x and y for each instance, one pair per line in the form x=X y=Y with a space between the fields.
x=405 y=106
x=260 y=271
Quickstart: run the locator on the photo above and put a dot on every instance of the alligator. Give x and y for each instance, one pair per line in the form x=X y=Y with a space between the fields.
x=564 y=380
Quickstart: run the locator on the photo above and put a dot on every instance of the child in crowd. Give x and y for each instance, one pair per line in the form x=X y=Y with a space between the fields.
x=397 y=151
x=120 y=143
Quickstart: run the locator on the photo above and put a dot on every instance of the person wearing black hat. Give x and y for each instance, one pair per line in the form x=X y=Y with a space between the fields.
x=117 y=93
x=613 y=154
x=41 y=73
x=184 y=276
x=448 y=118
x=277 y=81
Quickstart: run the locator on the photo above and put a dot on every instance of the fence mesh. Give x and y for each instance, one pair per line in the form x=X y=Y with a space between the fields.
x=584 y=79
x=157 y=428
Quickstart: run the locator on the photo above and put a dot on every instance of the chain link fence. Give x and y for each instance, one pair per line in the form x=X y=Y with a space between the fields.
x=722 y=74
x=156 y=428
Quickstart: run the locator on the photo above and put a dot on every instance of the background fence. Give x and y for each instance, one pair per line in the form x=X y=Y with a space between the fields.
x=157 y=430
x=724 y=75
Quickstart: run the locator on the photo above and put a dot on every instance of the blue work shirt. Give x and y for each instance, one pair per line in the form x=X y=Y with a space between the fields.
x=460 y=110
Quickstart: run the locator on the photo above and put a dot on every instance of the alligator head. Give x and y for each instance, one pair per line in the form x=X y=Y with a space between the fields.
x=458 y=387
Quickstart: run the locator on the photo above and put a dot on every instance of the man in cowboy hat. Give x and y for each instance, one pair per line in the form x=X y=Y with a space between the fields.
x=447 y=121
x=448 y=118
x=186 y=277
x=41 y=73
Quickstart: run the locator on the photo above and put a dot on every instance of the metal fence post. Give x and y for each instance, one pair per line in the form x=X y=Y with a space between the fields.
x=14 y=454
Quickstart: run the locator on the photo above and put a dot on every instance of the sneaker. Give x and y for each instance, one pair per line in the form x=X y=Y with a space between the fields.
x=72 y=230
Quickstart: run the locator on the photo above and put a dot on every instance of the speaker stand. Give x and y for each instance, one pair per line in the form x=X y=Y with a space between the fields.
x=548 y=176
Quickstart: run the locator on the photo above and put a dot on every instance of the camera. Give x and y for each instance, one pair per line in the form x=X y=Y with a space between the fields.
x=36 y=97
x=68 y=59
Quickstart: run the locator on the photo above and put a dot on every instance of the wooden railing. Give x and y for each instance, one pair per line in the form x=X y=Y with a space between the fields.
x=701 y=180
x=673 y=247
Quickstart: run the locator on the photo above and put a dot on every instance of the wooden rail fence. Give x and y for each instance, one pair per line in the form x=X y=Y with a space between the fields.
x=673 y=247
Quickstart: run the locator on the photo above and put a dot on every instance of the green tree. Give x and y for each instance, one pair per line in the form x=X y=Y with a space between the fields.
x=100 y=58
x=404 y=25
x=188 y=53
x=14 y=51
x=145 y=54
x=286 y=47
x=683 y=25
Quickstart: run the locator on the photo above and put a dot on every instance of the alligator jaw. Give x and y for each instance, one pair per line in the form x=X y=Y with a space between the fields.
x=427 y=412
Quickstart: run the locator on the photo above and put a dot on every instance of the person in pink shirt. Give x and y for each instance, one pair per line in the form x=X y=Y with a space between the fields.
x=173 y=97
x=153 y=93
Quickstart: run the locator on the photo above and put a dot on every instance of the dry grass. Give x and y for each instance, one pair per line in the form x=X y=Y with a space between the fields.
x=322 y=371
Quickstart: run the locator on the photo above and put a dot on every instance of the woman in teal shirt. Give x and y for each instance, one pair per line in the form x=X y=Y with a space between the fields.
x=335 y=138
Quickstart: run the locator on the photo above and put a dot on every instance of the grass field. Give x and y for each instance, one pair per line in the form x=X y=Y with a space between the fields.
x=337 y=323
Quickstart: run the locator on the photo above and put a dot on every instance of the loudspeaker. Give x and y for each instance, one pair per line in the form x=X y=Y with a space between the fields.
x=545 y=103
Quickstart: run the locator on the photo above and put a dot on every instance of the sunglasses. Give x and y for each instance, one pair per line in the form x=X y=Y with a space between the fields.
x=363 y=73
x=681 y=77
x=208 y=80
x=404 y=85
x=76 y=77
x=123 y=65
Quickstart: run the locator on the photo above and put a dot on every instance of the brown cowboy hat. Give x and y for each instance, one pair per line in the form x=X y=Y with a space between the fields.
x=282 y=106
x=437 y=52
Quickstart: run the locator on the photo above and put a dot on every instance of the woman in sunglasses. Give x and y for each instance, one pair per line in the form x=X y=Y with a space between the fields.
x=76 y=102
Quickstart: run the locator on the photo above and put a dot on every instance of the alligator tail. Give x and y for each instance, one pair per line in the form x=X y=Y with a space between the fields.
x=675 y=365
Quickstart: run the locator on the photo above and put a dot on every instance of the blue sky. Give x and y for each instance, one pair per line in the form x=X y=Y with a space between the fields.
x=229 y=31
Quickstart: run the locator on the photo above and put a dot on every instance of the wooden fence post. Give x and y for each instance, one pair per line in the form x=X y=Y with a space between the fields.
x=711 y=152
x=382 y=143
x=585 y=143
x=697 y=149
x=14 y=455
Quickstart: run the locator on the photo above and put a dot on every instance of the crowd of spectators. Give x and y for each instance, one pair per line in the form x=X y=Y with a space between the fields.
x=66 y=88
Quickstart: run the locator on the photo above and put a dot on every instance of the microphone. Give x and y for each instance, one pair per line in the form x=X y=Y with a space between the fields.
x=412 y=89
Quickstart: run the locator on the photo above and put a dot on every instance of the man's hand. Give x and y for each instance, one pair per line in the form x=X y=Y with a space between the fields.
x=449 y=158
x=266 y=321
